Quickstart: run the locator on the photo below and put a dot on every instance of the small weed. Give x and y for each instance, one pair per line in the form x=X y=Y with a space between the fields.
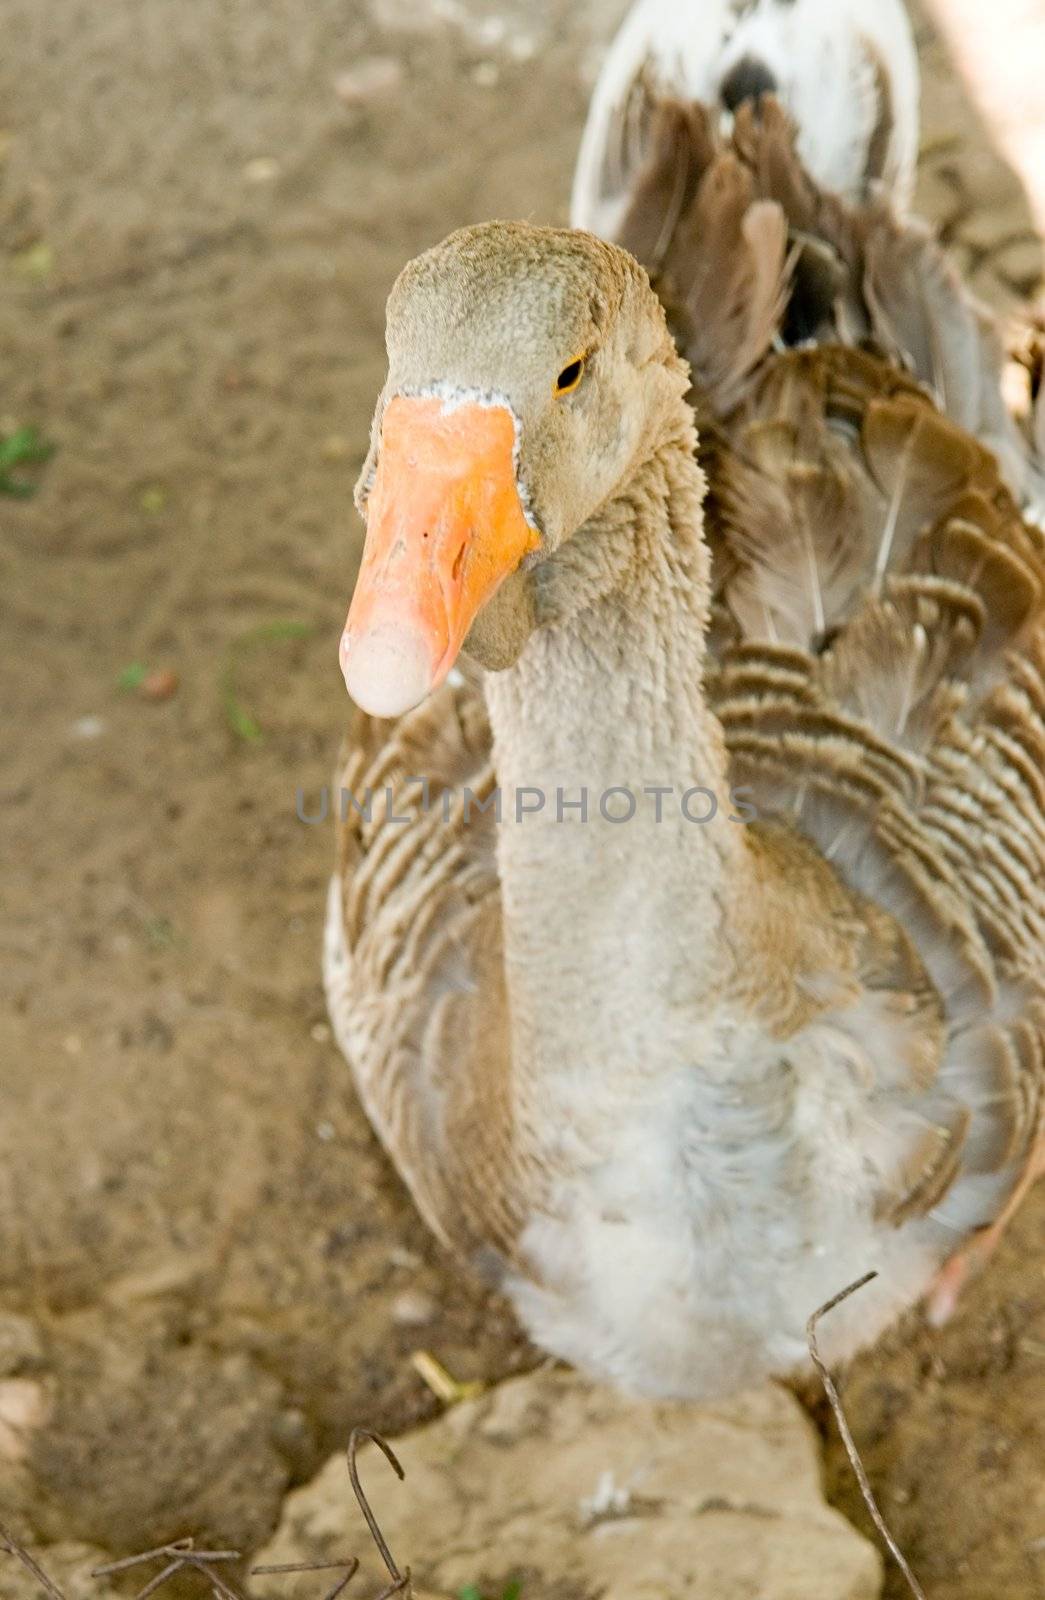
x=23 y=448
x=132 y=677
x=36 y=262
x=473 y=1592
x=153 y=500
x=160 y=933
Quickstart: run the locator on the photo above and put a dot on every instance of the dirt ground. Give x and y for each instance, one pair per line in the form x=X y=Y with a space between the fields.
x=208 y=1272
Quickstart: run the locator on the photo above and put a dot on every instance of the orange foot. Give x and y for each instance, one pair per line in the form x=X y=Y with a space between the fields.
x=943 y=1297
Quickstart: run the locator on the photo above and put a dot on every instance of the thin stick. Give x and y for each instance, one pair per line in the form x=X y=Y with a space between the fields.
x=181 y=1556
x=847 y=1437
x=339 y=1588
x=10 y=1548
x=160 y=1579
x=401 y=1586
x=177 y=1548
x=304 y=1566
x=205 y=1564
x=358 y=1435
x=348 y=1570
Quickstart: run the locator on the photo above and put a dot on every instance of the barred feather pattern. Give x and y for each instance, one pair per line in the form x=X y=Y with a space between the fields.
x=747 y=253
x=881 y=682
x=414 y=966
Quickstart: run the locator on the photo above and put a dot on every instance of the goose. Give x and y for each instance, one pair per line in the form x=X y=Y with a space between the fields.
x=687 y=933
x=845 y=70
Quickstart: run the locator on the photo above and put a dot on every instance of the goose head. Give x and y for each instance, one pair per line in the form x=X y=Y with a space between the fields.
x=529 y=372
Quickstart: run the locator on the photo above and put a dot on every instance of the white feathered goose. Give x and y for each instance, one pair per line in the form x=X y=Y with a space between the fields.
x=734 y=988
x=846 y=71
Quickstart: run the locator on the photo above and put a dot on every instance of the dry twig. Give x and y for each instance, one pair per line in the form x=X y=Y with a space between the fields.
x=400 y=1581
x=347 y=1569
x=8 y=1547
x=847 y=1438
x=182 y=1556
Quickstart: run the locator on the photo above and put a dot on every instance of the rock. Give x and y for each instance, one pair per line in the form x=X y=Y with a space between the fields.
x=21 y=1346
x=1019 y=265
x=577 y=1491
x=159 y=686
x=23 y=1409
x=88 y=728
x=996 y=227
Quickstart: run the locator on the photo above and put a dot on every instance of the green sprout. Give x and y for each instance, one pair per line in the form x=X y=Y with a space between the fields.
x=512 y=1592
x=22 y=448
x=132 y=677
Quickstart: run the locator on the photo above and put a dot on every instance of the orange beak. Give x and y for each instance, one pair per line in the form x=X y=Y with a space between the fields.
x=445 y=527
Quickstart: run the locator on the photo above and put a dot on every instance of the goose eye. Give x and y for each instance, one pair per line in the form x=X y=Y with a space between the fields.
x=570 y=376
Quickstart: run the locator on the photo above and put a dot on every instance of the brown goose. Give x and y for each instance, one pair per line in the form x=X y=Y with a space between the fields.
x=707 y=968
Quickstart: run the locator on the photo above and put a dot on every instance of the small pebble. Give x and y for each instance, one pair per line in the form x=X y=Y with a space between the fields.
x=23 y=1407
x=320 y=1032
x=336 y=447
x=88 y=728
x=405 y=1260
x=608 y=1504
x=370 y=77
x=492 y=31
x=413 y=1309
x=326 y=1131
x=263 y=169
x=159 y=686
x=72 y=1044
x=486 y=75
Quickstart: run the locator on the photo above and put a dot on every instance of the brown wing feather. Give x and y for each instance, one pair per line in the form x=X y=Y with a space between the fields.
x=883 y=688
x=718 y=254
x=747 y=252
x=419 y=1003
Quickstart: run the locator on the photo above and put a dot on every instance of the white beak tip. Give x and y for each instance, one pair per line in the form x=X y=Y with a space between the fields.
x=388 y=669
